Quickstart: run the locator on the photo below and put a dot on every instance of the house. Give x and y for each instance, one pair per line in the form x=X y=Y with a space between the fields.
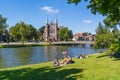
x=82 y=37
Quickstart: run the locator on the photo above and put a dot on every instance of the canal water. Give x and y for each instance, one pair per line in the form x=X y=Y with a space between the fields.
x=12 y=57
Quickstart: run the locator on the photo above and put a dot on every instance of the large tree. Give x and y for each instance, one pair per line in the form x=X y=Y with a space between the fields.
x=41 y=32
x=101 y=29
x=14 y=33
x=23 y=32
x=3 y=31
x=108 y=8
x=104 y=37
x=104 y=40
x=32 y=33
x=64 y=33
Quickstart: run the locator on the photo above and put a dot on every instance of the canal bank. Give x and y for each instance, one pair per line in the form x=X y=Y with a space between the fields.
x=94 y=67
x=30 y=44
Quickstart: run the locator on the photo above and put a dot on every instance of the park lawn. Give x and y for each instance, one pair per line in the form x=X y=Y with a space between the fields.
x=93 y=67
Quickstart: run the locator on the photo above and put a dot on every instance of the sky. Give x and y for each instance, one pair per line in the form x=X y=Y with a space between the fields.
x=76 y=17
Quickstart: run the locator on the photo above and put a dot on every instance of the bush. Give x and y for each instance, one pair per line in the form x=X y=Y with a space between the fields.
x=115 y=50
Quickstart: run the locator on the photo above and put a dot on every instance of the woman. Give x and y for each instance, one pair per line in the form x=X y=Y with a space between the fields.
x=56 y=62
x=69 y=59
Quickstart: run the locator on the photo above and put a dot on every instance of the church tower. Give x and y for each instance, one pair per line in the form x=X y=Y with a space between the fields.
x=56 y=34
x=46 y=30
x=50 y=31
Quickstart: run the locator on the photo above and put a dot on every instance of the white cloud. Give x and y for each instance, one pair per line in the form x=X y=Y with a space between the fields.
x=87 y=21
x=50 y=10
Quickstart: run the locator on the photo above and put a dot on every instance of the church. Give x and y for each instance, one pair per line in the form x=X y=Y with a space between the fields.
x=50 y=31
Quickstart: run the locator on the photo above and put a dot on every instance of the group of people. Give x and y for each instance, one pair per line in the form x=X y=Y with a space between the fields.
x=82 y=56
x=66 y=60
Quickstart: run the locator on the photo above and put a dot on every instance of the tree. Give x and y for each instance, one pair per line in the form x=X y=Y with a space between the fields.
x=116 y=33
x=64 y=33
x=41 y=32
x=22 y=31
x=104 y=38
x=3 y=27
x=101 y=29
x=108 y=8
x=32 y=33
x=86 y=34
x=14 y=33
x=115 y=50
x=70 y=34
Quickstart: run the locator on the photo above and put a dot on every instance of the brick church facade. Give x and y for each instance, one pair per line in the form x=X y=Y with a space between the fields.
x=50 y=31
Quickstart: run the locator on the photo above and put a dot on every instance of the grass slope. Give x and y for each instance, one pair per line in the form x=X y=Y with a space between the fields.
x=94 y=67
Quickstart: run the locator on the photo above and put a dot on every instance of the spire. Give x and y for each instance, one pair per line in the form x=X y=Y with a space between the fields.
x=56 y=21
x=46 y=21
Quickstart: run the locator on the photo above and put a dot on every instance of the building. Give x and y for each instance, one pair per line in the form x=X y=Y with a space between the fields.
x=82 y=37
x=50 y=31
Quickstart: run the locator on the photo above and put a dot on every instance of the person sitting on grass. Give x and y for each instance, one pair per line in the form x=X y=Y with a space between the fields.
x=64 y=60
x=82 y=56
x=56 y=62
x=69 y=60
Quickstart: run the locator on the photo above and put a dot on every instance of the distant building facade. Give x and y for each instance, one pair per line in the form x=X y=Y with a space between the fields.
x=50 y=31
x=81 y=37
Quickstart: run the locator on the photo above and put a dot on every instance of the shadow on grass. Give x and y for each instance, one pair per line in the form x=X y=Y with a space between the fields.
x=116 y=59
x=45 y=73
x=105 y=55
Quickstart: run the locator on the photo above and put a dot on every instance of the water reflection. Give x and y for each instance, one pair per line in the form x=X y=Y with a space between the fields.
x=11 y=57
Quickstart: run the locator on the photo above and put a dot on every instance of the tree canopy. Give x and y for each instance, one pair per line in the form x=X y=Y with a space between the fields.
x=3 y=31
x=64 y=33
x=108 y=8
x=104 y=38
x=3 y=24
x=22 y=31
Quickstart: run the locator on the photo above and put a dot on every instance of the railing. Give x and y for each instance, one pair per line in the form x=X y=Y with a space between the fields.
x=74 y=42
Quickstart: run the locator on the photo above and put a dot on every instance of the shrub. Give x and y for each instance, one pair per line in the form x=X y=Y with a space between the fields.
x=115 y=50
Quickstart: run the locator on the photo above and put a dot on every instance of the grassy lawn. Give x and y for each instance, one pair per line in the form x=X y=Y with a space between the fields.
x=94 y=67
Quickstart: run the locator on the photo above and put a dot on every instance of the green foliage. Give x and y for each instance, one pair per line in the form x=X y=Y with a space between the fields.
x=114 y=48
x=74 y=1
x=32 y=33
x=65 y=34
x=41 y=31
x=22 y=31
x=70 y=33
x=86 y=34
x=116 y=33
x=3 y=24
x=108 y=8
x=101 y=29
x=104 y=38
x=3 y=29
x=14 y=33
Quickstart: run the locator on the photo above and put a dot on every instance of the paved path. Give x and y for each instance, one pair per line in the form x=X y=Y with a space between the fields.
x=54 y=43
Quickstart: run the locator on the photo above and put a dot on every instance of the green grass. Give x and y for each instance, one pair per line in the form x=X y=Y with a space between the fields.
x=94 y=67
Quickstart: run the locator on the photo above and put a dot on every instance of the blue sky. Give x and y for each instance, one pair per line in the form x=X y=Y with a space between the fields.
x=76 y=18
